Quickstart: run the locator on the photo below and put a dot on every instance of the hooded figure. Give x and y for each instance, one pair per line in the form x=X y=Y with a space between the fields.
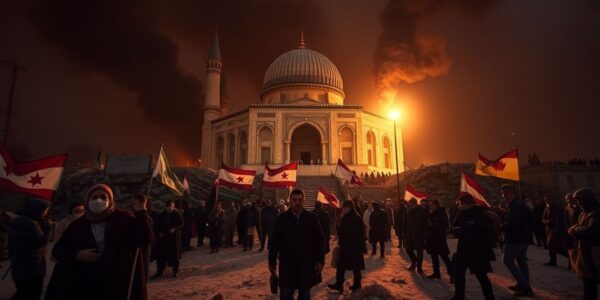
x=99 y=249
x=29 y=236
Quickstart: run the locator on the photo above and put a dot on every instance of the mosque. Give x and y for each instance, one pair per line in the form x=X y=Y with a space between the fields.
x=301 y=116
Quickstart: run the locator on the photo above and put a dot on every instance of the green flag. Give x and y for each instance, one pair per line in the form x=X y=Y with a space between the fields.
x=166 y=175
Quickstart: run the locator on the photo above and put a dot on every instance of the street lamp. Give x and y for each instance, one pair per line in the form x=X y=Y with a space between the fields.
x=394 y=116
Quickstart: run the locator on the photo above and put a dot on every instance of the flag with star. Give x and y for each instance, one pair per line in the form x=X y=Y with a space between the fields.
x=165 y=174
x=235 y=178
x=282 y=177
x=37 y=178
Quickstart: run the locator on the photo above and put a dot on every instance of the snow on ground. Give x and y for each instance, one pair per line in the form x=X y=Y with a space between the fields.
x=244 y=275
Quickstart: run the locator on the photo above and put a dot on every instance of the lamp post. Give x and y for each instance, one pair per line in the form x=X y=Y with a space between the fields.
x=394 y=116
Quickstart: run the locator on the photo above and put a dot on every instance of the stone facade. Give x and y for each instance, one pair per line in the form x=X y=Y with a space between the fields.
x=301 y=117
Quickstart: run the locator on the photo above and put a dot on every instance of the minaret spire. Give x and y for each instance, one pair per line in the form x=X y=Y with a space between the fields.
x=302 y=44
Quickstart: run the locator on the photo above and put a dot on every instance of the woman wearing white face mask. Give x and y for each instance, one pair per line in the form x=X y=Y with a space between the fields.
x=101 y=247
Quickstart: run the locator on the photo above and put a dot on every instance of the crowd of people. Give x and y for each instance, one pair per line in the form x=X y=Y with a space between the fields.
x=103 y=252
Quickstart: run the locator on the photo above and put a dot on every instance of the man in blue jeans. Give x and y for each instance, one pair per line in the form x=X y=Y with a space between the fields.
x=517 y=231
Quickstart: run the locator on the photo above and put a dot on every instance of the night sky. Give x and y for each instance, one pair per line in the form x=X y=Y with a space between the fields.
x=126 y=76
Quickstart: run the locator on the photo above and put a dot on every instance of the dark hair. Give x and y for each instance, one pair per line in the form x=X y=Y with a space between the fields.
x=141 y=198
x=466 y=199
x=74 y=205
x=297 y=192
x=169 y=202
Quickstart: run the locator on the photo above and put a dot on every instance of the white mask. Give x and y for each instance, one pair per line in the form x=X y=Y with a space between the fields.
x=98 y=205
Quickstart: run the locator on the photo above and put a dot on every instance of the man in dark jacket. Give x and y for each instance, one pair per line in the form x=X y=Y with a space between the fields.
x=168 y=245
x=587 y=234
x=399 y=217
x=517 y=233
x=188 y=221
x=474 y=249
x=435 y=240
x=351 y=240
x=251 y=219
x=30 y=233
x=298 y=243
x=268 y=215
x=539 y=229
x=201 y=219
x=379 y=224
x=556 y=230
x=324 y=221
x=415 y=225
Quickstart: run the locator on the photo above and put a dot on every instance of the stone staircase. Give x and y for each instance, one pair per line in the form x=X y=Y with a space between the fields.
x=310 y=185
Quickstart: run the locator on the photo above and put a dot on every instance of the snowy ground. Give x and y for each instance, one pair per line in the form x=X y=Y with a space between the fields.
x=244 y=275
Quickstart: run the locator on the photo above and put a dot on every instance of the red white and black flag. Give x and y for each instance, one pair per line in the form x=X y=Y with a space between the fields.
x=411 y=193
x=282 y=177
x=235 y=178
x=326 y=197
x=38 y=178
x=343 y=172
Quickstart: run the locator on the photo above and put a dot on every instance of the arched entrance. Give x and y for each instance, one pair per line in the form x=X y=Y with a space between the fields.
x=306 y=145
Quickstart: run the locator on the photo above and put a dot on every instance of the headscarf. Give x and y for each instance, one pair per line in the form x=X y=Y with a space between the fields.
x=96 y=218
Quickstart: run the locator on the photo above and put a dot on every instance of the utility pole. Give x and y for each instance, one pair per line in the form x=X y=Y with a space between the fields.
x=9 y=106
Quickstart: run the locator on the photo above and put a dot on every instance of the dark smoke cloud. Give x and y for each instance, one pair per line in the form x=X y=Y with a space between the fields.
x=119 y=39
x=252 y=32
x=406 y=54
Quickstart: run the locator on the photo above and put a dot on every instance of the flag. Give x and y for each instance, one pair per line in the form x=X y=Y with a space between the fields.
x=343 y=172
x=506 y=166
x=38 y=178
x=326 y=197
x=165 y=174
x=186 y=184
x=468 y=185
x=410 y=193
x=236 y=178
x=284 y=176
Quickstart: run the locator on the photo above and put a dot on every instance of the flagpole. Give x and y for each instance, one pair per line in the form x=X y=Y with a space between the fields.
x=514 y=134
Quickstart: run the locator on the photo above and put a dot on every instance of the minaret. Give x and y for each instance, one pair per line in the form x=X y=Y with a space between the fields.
x=212 y=101
x=224 y=96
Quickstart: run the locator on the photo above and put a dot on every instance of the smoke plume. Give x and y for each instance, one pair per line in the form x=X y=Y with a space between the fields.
x=406 y=54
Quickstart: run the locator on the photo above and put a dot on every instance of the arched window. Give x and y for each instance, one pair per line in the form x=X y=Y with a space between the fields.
x=243 y=147
x=371 y=149
x=387 y=152
x=220 y=153
x=347 y=145
x=231 y=149
x=265 y=144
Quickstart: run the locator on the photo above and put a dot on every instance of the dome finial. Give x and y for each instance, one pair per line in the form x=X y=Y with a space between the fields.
x=302 y=44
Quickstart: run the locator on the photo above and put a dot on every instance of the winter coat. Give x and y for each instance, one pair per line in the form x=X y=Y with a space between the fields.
x=437 y=227
x=379 y=225
x=351 y=240
x=556 y=230
x=415 y=226
x=29 y=236
x=108 y=277
x=188 y=221
x=517 y=223
x=168 y=245
x=474 y=231
x=324 y=221
x=571 y=218
x=587 y=234
x=399 y=217
x=62 y=225
x=268 y=215
x=298 y=243
x=229 y=218
x=389 y=213
x=215 y=228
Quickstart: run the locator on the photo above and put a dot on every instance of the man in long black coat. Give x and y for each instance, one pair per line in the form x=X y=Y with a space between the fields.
x=415 y=227
x=435 y=240
x=298 y=243
x=351 y=240
x=201 y=219
x=250 y=217
x=324 y=221
x=168 y=245
x=399 y=216
x=268 y=216
x=188 y=223
x=474 y=249
x=556 y=230
x=379 y=228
